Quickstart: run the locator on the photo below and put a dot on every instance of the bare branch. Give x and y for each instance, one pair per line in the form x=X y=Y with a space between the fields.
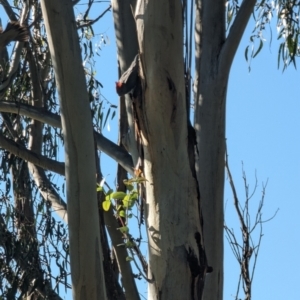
x=39 y=114
x=116 y=152
x=48 y=192
x=16 y=58
x=9 y=11
x=248 y=249
x=91 y=22
x=235 y=197
x=39 y=160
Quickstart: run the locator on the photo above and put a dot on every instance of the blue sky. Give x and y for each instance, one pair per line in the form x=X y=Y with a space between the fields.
x=263 y=128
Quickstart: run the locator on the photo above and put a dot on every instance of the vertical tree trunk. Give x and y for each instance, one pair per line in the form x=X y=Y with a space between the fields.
x=176 y=256
x=214 y=56
x=210 y=96
x=85 y=250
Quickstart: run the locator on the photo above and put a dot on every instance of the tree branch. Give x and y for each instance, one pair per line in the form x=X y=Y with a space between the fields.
x=48 y=192
x=42 y=181
x=247 y=248
x=108 y=147
x=9 y=11
x=39 y=160
x=91 y=22
x=59 y=167
x=16 y=56
x=115 y=152
x=39 y=114
x=234 y=37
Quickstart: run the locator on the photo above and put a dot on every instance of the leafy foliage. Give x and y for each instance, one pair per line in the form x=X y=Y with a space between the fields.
x=123 y=205
x=24 y=258
x=286 y=13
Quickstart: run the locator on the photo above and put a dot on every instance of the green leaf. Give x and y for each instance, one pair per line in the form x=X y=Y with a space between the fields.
x=118 y=195
x=246 y=53
x=40 y=207
x=140 y=179
x=129 y=187
x=295 y=51
x=124 y=229
x=128 y=258
x=106 y=205
x=113 y=115
x=127 y=202
x=229 y=15
x=100 y=84
x=122 y=214
x=92 y=31
x=259 y=48
x=99 y=189
x=107 y=115
x=8 y=215
x=91 y=49
x=129 y=244
x=85 y=51
x=279 y=52
x=134 y=195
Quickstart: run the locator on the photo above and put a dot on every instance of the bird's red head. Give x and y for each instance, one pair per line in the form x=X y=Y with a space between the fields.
x=119 y=84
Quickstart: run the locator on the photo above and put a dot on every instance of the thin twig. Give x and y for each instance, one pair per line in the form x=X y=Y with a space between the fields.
x=248 y=249
x=91 y=22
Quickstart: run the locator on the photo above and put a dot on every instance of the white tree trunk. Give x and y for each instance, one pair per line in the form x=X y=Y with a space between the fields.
x=85 y=249
x=176 y=267
x=214 y=56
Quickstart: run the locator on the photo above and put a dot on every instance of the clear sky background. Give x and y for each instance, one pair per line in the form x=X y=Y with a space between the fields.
x=263 y=128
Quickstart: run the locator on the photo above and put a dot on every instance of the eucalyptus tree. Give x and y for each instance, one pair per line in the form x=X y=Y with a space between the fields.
x=49 y=98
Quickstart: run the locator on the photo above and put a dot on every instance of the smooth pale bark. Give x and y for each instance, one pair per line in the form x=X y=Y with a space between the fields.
x=176 y=267
x=85 y=249
x=210 y=130
x=214 y=56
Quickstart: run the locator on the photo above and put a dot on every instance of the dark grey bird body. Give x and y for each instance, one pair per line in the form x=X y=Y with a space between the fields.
x=128 y=80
